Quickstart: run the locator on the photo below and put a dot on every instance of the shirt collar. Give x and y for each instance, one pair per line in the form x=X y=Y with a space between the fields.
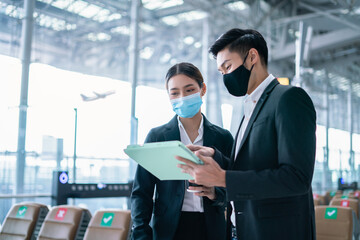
x=256 y=94
x=201 y=127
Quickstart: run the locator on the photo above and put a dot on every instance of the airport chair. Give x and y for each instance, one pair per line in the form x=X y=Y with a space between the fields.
x=355 y=195
x=65 y=222
x=317 y=202
x=335 y=223
x=330 y=194
x=319 y=199
x=23 y=221
x=109 y=224
x=354 y=205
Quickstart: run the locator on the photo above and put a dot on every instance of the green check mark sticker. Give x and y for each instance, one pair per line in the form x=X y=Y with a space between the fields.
x=21 y=212
x=107 y=219
x=331 y=213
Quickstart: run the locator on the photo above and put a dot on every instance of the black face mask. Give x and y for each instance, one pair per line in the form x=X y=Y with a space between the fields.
x=237 y=81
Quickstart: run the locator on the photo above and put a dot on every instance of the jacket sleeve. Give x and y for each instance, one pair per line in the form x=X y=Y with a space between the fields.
x=142 y=200
x=295 y=123
x=224 y=161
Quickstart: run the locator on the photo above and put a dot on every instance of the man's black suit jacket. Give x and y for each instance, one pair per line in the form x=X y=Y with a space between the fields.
x=270 y=179
x=159 y=219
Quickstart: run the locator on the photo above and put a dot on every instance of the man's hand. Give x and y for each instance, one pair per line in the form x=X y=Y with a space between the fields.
x=204 y=191
x=204 y=151
x=209 y=174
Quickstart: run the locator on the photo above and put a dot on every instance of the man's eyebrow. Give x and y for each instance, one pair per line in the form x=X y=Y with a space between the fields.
x=223 y=63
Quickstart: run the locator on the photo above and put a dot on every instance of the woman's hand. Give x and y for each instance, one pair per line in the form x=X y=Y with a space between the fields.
x=204 y=191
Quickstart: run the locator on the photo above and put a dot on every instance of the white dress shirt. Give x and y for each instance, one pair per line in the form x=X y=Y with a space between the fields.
x=249 y=106
x=192 y=203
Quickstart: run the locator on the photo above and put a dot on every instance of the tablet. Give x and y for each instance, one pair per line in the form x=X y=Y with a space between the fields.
x=159 y=158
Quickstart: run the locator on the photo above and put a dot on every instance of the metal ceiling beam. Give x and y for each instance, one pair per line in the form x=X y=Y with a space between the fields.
x=320 y=43
x=303 y=17
x=330 y=16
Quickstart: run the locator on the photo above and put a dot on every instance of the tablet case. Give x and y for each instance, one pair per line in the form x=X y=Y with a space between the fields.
x=159 y=158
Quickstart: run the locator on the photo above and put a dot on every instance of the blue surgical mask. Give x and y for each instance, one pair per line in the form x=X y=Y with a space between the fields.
x=187 y=107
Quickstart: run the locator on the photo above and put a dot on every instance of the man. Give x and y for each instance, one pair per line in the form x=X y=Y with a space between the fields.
x=269 y=181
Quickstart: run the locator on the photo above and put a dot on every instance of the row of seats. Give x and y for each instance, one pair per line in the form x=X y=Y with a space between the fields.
x=329 y=195
x=337 y=215
x=32 y=221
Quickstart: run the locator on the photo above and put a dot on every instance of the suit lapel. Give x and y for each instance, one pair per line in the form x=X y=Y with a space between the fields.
x=257 y=109
x=236 y=138
x=172 y=132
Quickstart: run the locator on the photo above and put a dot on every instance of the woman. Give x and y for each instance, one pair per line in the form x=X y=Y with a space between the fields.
x=177 y=213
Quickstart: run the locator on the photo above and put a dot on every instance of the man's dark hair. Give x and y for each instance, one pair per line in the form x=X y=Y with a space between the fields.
x=241 y=41
x=186 y=69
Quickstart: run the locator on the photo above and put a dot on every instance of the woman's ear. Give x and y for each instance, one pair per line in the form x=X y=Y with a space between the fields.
x=203 y=90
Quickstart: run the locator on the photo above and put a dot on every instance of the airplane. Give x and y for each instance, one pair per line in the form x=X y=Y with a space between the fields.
x=97 y=96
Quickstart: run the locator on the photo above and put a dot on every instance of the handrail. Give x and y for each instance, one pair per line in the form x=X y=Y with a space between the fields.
x=25 y=195
x=36 y=154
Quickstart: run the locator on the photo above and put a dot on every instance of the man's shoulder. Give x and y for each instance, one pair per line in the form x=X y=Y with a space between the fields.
x=287 y=91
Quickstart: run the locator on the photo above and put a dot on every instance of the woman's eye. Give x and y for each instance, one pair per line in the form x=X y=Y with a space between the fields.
x=189 y=90
x=173 y=93
x=228 y=67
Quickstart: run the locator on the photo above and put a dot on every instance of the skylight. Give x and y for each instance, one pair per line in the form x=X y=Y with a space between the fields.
x=98 y=37
x=146 y=27
x=90 y=11
x=161 y=4
x=114 y=16
x=14 y=11
x=171 y=20
x=102 y=16
x=121 y=29
x=77 y=6
x=237 y=6
x=146 y=53
x=62 y=4
x=188 y=40
x=187 y=16
x=165 y=58
x=54 y=23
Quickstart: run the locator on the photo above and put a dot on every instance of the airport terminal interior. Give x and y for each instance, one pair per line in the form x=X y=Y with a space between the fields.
x=83 y=79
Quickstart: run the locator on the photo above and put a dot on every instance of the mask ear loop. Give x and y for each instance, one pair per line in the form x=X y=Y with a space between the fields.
x=245 y=58
x=252 y=67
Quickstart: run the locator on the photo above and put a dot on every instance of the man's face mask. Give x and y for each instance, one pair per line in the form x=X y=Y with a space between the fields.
x=237 y=81
x=187 y=107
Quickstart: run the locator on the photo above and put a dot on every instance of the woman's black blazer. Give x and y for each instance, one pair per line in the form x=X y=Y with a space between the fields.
x=157 y=216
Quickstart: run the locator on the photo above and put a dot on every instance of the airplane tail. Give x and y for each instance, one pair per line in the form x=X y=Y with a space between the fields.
x=84 y=98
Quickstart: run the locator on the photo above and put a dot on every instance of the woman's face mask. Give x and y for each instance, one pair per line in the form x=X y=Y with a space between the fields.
x=187 y=107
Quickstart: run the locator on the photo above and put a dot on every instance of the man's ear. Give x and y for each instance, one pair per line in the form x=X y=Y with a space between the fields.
x=203 y=90
x=253 y=56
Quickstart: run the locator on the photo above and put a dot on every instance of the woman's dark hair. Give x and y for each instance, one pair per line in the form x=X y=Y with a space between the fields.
x=241 y=41
x=186 y=69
